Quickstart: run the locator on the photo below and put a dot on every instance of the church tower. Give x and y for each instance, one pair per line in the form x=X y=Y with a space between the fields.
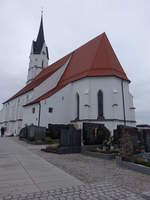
x=39 y=55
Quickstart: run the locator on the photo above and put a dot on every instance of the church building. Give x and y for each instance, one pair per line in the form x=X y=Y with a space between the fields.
x=88 y=85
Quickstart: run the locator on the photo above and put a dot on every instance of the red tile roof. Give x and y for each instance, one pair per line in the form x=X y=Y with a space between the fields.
x=95 y=58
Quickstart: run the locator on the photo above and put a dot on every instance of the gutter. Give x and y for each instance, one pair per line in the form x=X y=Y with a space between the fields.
x=123 y=101
x=39 y=114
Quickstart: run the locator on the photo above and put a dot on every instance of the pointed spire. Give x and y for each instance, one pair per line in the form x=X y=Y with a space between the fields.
x=38 y=44
x=40 y=37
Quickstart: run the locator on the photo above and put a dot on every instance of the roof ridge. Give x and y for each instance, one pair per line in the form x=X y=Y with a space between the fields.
x=93 y=62
x=114 y=54
x=106 y=44
x=66 y=67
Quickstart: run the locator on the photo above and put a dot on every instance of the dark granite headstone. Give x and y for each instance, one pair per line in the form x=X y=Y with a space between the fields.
x=146 y=138
x=54 y=130
x=133 y=134
x=94 y=133
x=70 y=140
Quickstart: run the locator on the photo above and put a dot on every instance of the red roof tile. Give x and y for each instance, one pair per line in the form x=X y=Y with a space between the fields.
x=95 y=58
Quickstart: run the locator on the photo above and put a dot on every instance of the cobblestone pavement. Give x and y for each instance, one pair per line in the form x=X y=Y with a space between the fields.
x=97 y=174
x=98 y=191
x=91 y=170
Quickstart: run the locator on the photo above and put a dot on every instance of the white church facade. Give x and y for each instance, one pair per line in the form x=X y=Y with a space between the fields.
x=87 y=85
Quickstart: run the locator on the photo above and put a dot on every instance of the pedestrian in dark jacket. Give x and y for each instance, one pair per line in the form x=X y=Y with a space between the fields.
x=2 y=131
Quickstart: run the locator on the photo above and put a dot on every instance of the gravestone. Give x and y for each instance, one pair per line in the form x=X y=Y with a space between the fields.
x=126 y=146
x=70 y=140
x=94 y=133
x=131 y=131
x=55 y=130
x=146 y=138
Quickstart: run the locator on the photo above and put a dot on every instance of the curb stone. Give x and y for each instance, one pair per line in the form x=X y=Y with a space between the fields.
x=146 y=195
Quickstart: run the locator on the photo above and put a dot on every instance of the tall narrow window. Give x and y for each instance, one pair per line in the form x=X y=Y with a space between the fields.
x=33 y=110
x=77 y=106
x=42 y=64
x=100 y=104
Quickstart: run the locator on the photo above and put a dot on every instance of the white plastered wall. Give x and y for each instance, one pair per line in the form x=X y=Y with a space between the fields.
x=61 y=102
x=29 y=117
x=64 y=103
x=12 y=113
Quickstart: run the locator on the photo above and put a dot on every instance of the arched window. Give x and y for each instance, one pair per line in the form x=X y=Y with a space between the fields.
x=100 y=104
x=77 y=106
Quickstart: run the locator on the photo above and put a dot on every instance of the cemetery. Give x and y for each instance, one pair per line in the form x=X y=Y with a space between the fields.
x=134 y=149
x=130 y=146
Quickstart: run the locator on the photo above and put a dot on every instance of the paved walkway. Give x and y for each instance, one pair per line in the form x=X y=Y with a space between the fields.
x=22 y=171
x=25 y=175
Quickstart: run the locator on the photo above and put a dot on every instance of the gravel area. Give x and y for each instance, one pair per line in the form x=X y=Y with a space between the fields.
x=91 y=170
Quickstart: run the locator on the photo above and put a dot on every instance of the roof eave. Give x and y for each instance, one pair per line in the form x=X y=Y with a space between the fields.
x=38 y=100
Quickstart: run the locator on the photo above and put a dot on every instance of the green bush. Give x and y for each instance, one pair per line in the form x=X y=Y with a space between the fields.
x=142 y=161
x=49 y=140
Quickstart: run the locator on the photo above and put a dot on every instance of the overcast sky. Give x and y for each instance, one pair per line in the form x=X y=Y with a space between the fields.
x=69 y=24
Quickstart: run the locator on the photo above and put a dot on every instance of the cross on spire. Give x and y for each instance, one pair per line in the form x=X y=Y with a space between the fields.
x=42 y=10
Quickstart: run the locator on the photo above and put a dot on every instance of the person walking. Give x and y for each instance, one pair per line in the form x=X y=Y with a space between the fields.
x=2 y=131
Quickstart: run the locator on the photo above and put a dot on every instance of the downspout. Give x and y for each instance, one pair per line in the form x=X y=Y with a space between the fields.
x=123 y=101
x=39 y=114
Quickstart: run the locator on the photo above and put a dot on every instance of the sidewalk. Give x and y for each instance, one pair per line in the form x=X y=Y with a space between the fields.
x=22 y=172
